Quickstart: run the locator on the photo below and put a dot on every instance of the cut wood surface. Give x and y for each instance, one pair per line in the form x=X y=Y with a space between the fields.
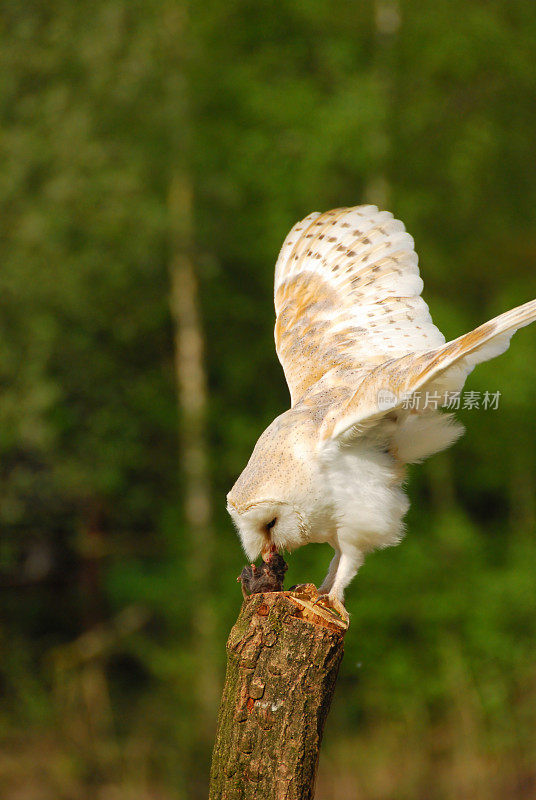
x=283 y=656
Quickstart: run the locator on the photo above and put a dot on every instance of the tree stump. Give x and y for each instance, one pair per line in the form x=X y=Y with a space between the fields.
x=283 y=656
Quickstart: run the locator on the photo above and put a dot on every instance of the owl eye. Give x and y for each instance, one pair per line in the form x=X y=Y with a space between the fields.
x=271 y=524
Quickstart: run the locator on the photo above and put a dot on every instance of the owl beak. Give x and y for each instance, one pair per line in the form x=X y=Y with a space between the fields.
x=267 y=551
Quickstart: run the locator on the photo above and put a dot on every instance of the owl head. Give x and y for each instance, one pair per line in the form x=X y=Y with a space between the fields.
x=272 y=502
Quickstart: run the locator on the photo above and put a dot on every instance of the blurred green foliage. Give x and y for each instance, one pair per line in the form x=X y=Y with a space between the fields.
x=273 y=110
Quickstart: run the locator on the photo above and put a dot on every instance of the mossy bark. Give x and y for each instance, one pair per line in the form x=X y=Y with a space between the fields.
x=283 y=658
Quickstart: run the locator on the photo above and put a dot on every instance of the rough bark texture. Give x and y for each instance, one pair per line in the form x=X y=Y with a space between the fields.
x=283 y=658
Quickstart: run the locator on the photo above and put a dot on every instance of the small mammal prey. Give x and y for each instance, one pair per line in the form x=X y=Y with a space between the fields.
x=268 y=577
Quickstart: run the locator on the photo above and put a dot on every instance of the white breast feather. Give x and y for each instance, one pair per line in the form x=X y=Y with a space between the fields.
x=369 y=501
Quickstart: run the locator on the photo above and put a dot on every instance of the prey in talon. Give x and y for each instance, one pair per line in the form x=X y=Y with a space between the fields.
x=361 y=357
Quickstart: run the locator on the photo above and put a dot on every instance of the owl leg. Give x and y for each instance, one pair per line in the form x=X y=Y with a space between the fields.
x=327 y=583
x=350 y=561
x=344 y=566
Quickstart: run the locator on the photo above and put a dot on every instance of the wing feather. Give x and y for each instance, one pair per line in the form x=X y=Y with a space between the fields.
x=347 y=296
x=443 y=369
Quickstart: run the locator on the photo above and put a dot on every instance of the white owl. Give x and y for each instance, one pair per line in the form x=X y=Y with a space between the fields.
x=355 y=340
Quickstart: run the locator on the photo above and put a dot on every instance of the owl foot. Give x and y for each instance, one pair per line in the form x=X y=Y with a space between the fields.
x=334 y=607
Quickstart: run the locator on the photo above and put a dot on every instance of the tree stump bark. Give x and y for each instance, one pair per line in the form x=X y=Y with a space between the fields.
x=283 y=658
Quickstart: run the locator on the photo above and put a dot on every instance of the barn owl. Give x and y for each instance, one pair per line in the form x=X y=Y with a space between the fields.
x=355 y=340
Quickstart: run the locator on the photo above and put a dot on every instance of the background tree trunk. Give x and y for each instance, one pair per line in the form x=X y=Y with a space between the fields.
x=192 y=402
x=283 y=660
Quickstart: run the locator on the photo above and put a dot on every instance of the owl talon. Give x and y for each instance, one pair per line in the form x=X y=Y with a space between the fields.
x=333 y=606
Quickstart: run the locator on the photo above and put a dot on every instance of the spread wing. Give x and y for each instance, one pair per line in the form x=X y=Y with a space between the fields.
x=347 y=296
x=352 y=332
x=444 y=369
